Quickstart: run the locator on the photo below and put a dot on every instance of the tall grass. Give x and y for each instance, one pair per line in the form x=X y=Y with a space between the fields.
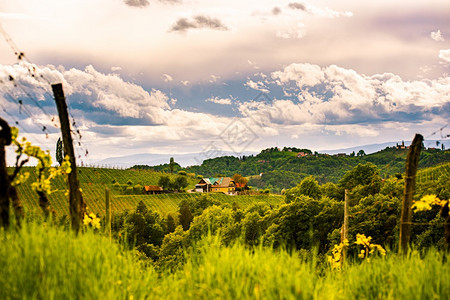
x=40 y=261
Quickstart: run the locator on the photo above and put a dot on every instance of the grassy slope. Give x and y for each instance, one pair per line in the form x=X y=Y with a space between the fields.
x=44 y=262
x=94 y=181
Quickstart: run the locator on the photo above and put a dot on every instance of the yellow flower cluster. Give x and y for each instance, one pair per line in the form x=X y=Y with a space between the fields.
x=45 y=172
x=427 y=202
x=336 y=258
x=90 y=219
x=369 y=248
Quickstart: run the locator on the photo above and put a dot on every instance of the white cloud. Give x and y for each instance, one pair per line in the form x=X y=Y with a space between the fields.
x=437 y=36
x=115 y=69
x=339 y=96
x=445 y=55
x=259 y=86
x=296 y=32
x=217 y=100
x=166 y=78
x=302 y=74
x=213 y=78
x=185 y=82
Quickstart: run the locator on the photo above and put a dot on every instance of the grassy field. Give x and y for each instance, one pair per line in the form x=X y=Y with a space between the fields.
x=41 y=261
x=94 y=181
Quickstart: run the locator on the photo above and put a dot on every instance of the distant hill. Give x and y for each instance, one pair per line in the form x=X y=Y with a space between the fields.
x=372 y=148
x=275 y=169
x=191 y=159
x=183 y=160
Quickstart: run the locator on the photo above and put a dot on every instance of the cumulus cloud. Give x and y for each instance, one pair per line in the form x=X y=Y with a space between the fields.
x=258 y=85
x=217 y=100
x=198 y=22
x=337 y=96
x=445 y=55
x=166 y=78
x=437 y=36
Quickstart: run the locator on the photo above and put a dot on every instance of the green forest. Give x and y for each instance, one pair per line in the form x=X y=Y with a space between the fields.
x=282 y=169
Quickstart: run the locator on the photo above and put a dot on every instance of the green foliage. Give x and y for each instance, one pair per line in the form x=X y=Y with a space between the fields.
x=171 y=256
x=170 y=224
x=171 y=165
x=38 y=258
x=251 y=226
x=141 y=229
x=180 y=183
x=185 y=215
x=362 y=181
x=214 y=220
x=303 y=224
x=182 y=173
x=377 y=216
x=308 y=187
x=164 y=182
x=332 y=190
x=283 y=169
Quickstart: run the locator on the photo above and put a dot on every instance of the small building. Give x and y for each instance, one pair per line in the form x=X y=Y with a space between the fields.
x=302 y=154
x=153 y=189
x=224 y=185
x=204 y=186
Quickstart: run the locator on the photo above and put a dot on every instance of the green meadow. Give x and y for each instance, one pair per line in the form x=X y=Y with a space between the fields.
x=43 y=261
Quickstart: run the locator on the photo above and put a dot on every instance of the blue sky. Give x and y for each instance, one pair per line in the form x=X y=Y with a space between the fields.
x=181 y=76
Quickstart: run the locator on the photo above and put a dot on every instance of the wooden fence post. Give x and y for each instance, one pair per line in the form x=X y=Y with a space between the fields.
x=412 y=161
x=5 y=184
x=76 y=204
x=345 y=229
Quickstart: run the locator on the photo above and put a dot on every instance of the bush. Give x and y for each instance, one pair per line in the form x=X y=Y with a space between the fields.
x=182 y=173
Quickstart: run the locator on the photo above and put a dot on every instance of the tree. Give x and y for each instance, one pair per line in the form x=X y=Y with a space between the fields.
x=59 y=151
x=171 y=165
x=361 y=153
x=252 y=228
x=240 y=180
x=164 y=181
x=185 y=215
x=362 y=181
x=170 y=223
x=308 y=187
x=303 y=224
x=180 y=183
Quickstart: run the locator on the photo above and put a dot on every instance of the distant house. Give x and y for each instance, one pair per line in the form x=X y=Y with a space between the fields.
x=402 y=146
x=224 y=185
x=302 y=154
x=153 y=189
x=204 y=186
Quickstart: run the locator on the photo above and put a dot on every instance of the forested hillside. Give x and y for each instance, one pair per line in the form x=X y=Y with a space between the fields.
x=283 y=169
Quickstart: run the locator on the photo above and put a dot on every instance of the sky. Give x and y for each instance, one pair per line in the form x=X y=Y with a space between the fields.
x=182 y=76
